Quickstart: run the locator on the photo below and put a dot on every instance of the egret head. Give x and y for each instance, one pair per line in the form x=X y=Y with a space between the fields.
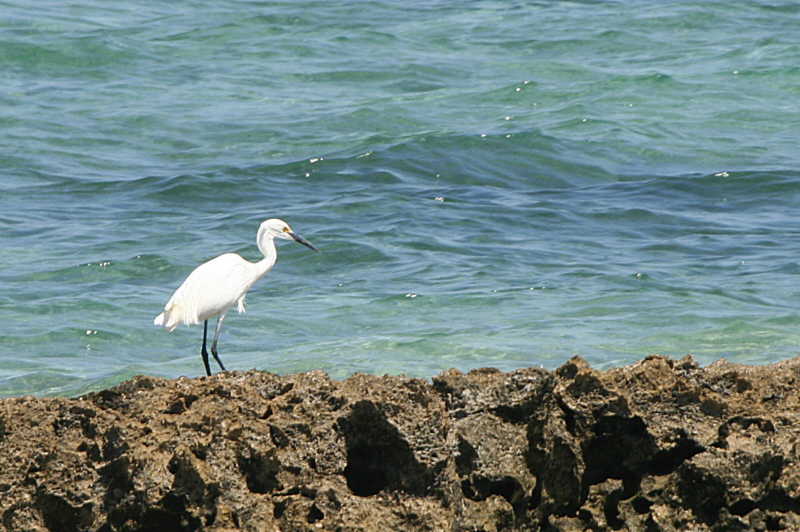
x=276 y=228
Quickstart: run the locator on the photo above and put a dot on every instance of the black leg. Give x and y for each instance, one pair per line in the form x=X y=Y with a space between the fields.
x=216 y=356
x=217 y=332
x=204 y=352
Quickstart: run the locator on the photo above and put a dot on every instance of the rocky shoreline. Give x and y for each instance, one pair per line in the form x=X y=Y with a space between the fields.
x=658 y=445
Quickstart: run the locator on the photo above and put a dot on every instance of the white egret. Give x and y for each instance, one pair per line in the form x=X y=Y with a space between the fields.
x=214 y=287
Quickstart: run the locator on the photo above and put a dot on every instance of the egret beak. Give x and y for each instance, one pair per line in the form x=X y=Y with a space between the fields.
x=300 y=240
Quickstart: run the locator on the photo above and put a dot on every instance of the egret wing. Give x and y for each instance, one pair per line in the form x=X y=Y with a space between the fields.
x=211 y=289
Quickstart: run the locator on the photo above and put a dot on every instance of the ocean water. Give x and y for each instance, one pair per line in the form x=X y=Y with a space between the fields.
x=490 y=183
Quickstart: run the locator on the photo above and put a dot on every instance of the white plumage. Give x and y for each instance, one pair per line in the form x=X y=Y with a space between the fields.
x=214 y=287
x=211 y=289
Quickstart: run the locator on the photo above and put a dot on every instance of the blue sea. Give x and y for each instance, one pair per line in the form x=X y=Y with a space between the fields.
x=490 y=183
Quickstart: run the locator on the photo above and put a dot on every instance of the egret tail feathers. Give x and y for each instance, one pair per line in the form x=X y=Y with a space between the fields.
x=170 y=318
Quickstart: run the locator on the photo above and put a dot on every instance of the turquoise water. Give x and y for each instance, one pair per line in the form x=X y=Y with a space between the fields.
x=491 y=183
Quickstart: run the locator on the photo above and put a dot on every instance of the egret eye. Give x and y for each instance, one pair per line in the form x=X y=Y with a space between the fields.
x=286 y=230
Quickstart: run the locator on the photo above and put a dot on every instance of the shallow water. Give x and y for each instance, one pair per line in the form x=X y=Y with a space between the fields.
x=491 y=183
